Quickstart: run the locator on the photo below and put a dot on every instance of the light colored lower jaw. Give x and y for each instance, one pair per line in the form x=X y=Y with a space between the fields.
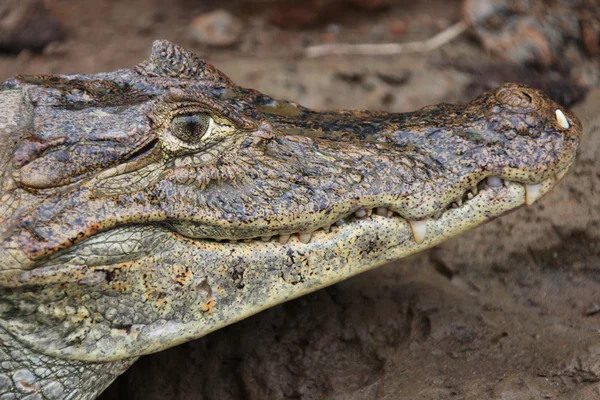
x=422 y=230
x=270 y=278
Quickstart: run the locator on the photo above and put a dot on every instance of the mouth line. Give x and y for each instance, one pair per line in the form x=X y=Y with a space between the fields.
x=418 y=227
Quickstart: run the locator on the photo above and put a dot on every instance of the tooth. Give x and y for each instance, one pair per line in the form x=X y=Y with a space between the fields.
x=455 y=205
x=304 y=237
x=339 y=222
x=494 y=182
x=327 y=228
x=437 y=214
x=474 y=190
x=419 y=230
x=247 y=240
x=459 y=202
x=382 y=211
x=506 y=182
x=562 y=120
x=283 y=239
x=232 y=240
x=532 y=193
x=389 y=213
x=469 y=195
x=360 y=213
x=265 y=238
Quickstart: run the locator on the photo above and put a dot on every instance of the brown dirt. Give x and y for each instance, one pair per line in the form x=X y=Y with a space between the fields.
x=510 y=310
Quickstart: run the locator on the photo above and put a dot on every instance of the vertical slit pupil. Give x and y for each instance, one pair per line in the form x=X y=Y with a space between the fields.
x=190 y=127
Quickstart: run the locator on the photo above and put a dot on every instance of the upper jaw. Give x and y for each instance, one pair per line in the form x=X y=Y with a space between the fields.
x=492 y=184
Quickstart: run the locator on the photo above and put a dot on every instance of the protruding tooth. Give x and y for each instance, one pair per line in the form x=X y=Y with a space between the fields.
x=419 y=230
x=247 y=240
x=494 y=182
x=474 y=190
x=562 y=120
x=361 y=213
x=459 y=202
x=455 y=205
x=304 y=237
x=381 y=211
x=339 y=222
x=265 y=238
x=232 y=240
x=532 y=193
x=437 y=214
x=469 y=195
x=506 y=182
x=389 y=213
x=283 y=239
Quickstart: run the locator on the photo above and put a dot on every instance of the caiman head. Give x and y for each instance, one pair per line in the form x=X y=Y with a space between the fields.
x=146 y=207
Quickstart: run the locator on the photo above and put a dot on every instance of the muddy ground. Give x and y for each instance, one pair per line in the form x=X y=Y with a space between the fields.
x=510 y=310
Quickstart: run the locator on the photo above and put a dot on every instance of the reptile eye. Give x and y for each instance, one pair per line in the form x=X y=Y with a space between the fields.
x=192 y=128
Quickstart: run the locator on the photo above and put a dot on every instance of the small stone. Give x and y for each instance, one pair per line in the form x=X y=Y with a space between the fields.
x=27 y=24
x=218 y=28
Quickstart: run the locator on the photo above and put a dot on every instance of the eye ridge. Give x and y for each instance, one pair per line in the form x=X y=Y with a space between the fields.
x=191 y=127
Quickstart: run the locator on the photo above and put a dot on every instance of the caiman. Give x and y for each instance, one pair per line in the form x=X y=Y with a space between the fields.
x=146 y=207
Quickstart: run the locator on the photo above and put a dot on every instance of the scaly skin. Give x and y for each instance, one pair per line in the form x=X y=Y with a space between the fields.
x=125 y=231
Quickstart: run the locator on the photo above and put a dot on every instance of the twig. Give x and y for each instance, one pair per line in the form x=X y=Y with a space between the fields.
x=423 y=46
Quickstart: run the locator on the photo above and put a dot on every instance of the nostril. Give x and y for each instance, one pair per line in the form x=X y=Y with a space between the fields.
x=562 y=120
x=529 y=98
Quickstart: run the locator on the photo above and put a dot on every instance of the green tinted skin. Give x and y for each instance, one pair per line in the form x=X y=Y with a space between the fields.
x=143 y=208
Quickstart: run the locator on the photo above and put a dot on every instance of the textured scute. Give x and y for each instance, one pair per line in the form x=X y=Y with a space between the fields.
x=25 y=374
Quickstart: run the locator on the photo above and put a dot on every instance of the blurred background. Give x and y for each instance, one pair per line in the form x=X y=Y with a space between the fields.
x=268 y=44
x=508 y=311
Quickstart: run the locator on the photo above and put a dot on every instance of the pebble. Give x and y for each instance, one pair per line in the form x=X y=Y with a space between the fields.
x=218 y=28
x=27 y=24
